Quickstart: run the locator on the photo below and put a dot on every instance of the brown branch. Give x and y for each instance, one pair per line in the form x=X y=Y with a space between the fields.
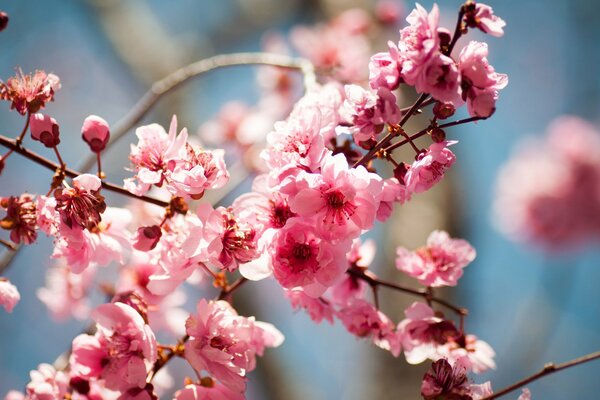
x=393 y=133
x=548 y=369
x=188 y=72
x=372 y=280
x=227 y=291
x=43 y=161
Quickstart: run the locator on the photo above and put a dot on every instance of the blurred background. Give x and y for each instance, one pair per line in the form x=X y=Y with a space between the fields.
x=531 y=306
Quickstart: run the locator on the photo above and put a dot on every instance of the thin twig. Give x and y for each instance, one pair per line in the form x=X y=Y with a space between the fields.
x=9 y=245
x=372 y=280
x=548 y=369
x=11 y=144
x=385 y=141
x=184 y=74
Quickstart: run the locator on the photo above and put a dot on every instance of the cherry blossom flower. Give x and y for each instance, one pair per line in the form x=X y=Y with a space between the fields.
x=300 y=258
x=343 y=200
x=153 y=153
x=439 y=263
x=66 y=293
x=440 y=78
x=46 y=383
x=122 y=352
x=443 y=380
x=419 y=43
x=483 y=17
x=20 y=218
x=525 y=395
x=207 y=390
x=29 y=93
x=430 y=167
x=225 y=344
x=318 y=308
x=475 y=354
x=369 y=112
x=362 y=319
x=548 y=193
x=480 y=82
x=108 y=241
x=95 y=132
x=340 y=46
x=44 y=129
x=146 y=237
x=9 y=295
x=384 y=69
x=198 y=171
x=423 y=333
x=82 y=204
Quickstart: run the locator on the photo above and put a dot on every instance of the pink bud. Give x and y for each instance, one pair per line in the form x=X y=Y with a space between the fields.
x=146 y=238
x=3 y=20
x=95 y=132
x=45 y=129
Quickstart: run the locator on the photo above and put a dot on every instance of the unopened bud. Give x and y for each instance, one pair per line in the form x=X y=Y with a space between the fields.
x=95 y=132
x=44 y=129
x=438 y=135
x=3 y=20
x=178 y=205
x=443 y=110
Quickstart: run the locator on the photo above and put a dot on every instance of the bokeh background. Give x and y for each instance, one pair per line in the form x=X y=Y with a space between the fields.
x=530 y=306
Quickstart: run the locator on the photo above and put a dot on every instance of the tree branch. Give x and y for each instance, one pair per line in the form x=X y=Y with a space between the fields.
x=185 y=74
x=548 y=369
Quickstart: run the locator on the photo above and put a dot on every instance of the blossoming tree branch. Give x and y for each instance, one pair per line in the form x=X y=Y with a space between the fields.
x=327 y=170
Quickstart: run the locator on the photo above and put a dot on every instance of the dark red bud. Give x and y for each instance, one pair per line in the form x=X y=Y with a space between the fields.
x=3 y=20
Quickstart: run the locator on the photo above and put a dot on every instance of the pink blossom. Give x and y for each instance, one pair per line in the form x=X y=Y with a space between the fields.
x=440 y=78
x=430 y=167
x=480 y=82
x=475 y=354
x=20 y=218
x=46 y=384
x=29 y=93
x=481 y=391
x=360 y=256
x=393 y=192
x=14 y=395
x=82 y=204
x=439 y=263
x=483 y=17
x=107 y=242
x=9 y=295
x=318 y=308
x=548 y=193
x=44 y=129
x=419 y=43
x=369 y=112
x=296 y=141
x=384 y=69
x=525 y=395
x=211 y=391
x=151 y=156
x=329 y=100
x=47 y=217
x=95 y=132
x=122 y=352
x=198 y=171
x=423 y=333
x=343 y=200
x=388 y=11
x=362 y=319
x=65 y=293
x=146 y=237
x=225 y=344
x=443 y=381
x=300 y=258
x=341 y=46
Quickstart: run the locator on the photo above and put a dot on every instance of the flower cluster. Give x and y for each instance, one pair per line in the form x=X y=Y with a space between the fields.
x=319 y=187
x=549 y=192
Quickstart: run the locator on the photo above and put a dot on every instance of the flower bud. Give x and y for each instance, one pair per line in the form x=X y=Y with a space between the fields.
x=443 y=110
x=438 y=135
x=44 y=129
x=95 y=132
x=3 y=20
x=146 y=238
x=445 y=37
